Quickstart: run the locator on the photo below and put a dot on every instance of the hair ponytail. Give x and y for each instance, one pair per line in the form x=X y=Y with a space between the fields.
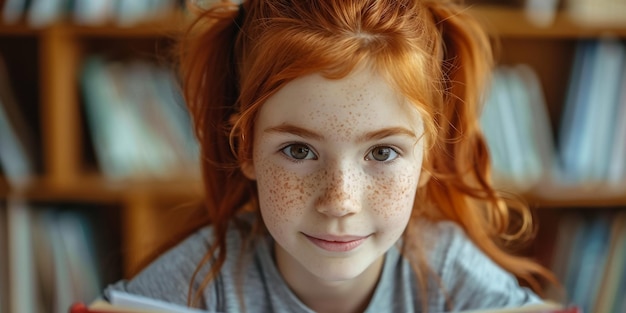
x=208 y=68
x=461 y=184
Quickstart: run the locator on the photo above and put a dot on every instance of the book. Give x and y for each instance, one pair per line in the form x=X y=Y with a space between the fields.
x=617 y=172
x=542 y=141
x=592 y=262
x=129 y=303
x=603 y=100
x=517 y=129
x=173 y=107
x=124 y=302
x=13 y=10
x=114 y=133
x=512 y=114
x=619 y=302
x=491 y=125
x=43 y=257
x=162 y=153
x=541 y=12
x=520 y=79
x=16 y=138
x=129 y=12
x=61 y=288
x=138 y=123
x=45 y=12
x=596 y=13
x=23 y=282
x=589 y=119
x=93 y=12
x=615 y=269
x=4 y=256
x=567 y=230
x=502 y=132
x=548 y=307
x=575 y=110
x=77 y=240
x=63 y=253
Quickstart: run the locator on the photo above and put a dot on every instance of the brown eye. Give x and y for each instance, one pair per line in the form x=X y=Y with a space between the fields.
x=299 y=152
x=382 y=154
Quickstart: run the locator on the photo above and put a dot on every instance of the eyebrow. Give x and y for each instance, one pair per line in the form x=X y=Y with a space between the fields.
x=295 y=130
x=387 y=132
x=373 y=135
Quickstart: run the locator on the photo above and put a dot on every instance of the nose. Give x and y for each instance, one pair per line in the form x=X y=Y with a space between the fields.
x=340 y=195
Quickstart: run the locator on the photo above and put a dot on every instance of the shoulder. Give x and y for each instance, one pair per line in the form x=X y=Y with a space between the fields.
x=169 y=276
x=469 y=276
x=442 y=240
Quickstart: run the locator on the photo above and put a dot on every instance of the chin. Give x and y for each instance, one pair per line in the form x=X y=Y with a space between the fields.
x=339 y=271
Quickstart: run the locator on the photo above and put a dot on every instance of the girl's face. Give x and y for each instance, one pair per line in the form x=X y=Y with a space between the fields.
x=337 y=164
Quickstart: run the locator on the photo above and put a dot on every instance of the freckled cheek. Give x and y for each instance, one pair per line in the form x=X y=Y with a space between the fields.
x=282 y=193
x=391 y=197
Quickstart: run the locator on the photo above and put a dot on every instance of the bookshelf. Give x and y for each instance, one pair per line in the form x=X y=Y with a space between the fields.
x=45 y=64
x=513 y=23
x=579 y=223
x=135 y=217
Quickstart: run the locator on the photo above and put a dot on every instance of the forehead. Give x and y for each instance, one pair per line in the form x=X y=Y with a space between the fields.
x=360 y=102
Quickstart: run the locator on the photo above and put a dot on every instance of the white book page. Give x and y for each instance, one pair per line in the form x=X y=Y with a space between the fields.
x=126 y=300
x=531 y=308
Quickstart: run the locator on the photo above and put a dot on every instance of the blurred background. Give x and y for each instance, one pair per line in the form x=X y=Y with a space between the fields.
x=99 y=166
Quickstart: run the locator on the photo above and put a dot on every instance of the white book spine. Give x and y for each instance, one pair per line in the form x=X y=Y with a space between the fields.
x=21 y=260
x=602 y=110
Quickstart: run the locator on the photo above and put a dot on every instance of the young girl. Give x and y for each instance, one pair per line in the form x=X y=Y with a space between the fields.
x=343 y=164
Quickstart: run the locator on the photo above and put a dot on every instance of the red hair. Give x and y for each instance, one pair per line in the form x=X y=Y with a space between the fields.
x=431 y=51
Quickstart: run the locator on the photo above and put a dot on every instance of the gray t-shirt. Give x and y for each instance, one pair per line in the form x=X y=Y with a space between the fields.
x=470 y=278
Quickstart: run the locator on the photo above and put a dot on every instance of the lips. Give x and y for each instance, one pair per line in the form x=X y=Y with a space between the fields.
x=337 y=243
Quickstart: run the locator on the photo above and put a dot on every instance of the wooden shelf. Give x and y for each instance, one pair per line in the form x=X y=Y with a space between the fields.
x=94 y=188
x=161 y=27
x=590 y=196
x=156 y=27
x=501 y=21
x=510 y=22
x=587 y=200
x=19 y=29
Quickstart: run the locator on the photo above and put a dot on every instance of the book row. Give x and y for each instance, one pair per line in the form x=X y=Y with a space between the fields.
x=139 y=126
x=136 y=118
x=589 y=146
x=41 y=13
x=52 y=256
x=588 y=256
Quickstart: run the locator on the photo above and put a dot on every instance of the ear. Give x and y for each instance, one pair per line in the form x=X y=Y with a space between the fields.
x=247 y=168
x=424 y=178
